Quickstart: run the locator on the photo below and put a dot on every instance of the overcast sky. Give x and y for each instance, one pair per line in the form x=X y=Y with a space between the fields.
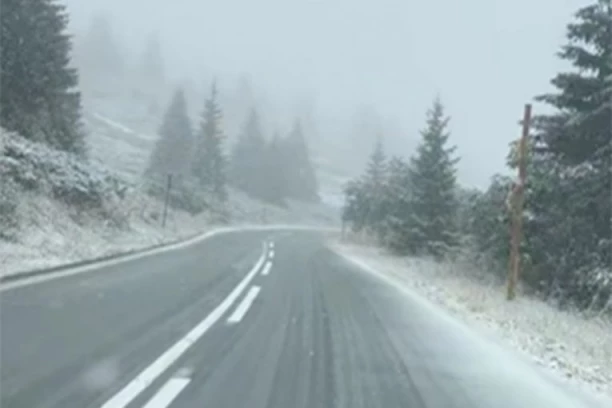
x=485 y=58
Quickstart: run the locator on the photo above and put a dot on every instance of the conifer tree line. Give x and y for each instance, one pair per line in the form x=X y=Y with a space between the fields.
x=271 y=169
x=40 y=100
x=566 y=251
x=409 y=206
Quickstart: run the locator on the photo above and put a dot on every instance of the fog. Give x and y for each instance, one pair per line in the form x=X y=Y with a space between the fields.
x=484 y=58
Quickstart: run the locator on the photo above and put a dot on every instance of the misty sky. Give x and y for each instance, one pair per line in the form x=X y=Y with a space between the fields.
x=485 y=58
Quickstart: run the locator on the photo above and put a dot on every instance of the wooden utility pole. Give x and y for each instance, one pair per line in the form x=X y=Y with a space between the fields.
x=516 y=205
x=167 y=198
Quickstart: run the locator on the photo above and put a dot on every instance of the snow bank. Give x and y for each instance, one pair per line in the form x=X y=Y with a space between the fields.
x=564 y=343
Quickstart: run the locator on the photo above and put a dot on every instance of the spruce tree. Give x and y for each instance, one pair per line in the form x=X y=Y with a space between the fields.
x=151 y=69
x=276 y=186
x=374 y=185
x=172 y=152
x=302 y=179
x=248 y=158
x=432 y=225
x=570 y=182
x=396 y=204
x=581 y=129
x=377 y=165
x=209 y=164
x=150 y=85
x=355 y=209
x=99 y=58
x=38 y=97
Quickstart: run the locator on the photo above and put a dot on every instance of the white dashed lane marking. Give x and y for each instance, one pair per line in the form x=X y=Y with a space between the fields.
x=244 y=306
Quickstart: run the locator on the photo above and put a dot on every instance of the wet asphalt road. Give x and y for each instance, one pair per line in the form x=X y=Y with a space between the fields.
x=249 y=319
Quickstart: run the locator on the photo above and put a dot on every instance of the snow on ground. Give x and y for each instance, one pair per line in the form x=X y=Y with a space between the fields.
x=120 y=131
x=564 y=343
x=122 y=135
x=114 y=124
x=52 y=234
x=40 y=225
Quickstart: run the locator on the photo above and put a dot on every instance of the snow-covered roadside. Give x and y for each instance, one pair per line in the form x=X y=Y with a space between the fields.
x=564 y=343
x=56 y=209
x=50 y=235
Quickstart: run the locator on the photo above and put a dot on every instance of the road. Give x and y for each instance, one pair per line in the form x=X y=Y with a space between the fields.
x=250 y=319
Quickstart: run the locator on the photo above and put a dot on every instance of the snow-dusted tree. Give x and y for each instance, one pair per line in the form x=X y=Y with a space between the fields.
x=38 y=96
x=570 y=236
x=567 y=239
x=149 y=83
x=433 y=224
x=301 y=176
x=276 y=187
x=98 y=54
x=172 y=153
x=151 y=70
x=248 y=158
x=366 y=124
x=209 y=163
x=396 y=204
x=374 y=185
x=240 y=101
x=355 y=211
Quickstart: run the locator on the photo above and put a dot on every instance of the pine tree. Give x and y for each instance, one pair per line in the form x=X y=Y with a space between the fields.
x=240 y=101
x=374 y=184
x=99 y=58
x=397 y=200
x=150 y=85
x=39 y=99
x=581 y=129
x=377 y=165
x=570 y=182
x=276 y=186
x=366 y=125
x=151 y=69
x=209 y=165
x=433 y=183
x=172 y=152
x=248 y=158
x=302 y=180
x=355 y=209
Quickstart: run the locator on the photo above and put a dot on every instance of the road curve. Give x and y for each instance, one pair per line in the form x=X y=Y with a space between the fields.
x=250 y=319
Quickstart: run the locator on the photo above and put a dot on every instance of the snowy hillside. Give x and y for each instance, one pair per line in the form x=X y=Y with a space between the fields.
x=122 y=133
x=55 y=208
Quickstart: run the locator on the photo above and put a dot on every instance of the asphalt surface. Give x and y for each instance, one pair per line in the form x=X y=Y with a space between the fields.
x=250 y=319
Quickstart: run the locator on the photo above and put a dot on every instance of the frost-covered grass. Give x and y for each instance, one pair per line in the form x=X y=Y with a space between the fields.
x=564 y=342
x=50 y=235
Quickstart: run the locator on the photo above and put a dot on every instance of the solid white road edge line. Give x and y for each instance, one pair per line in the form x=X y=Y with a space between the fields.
x=244 y=306
x=168 y=393
x=161 y=364
x=171 y=247
x=266 y=269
